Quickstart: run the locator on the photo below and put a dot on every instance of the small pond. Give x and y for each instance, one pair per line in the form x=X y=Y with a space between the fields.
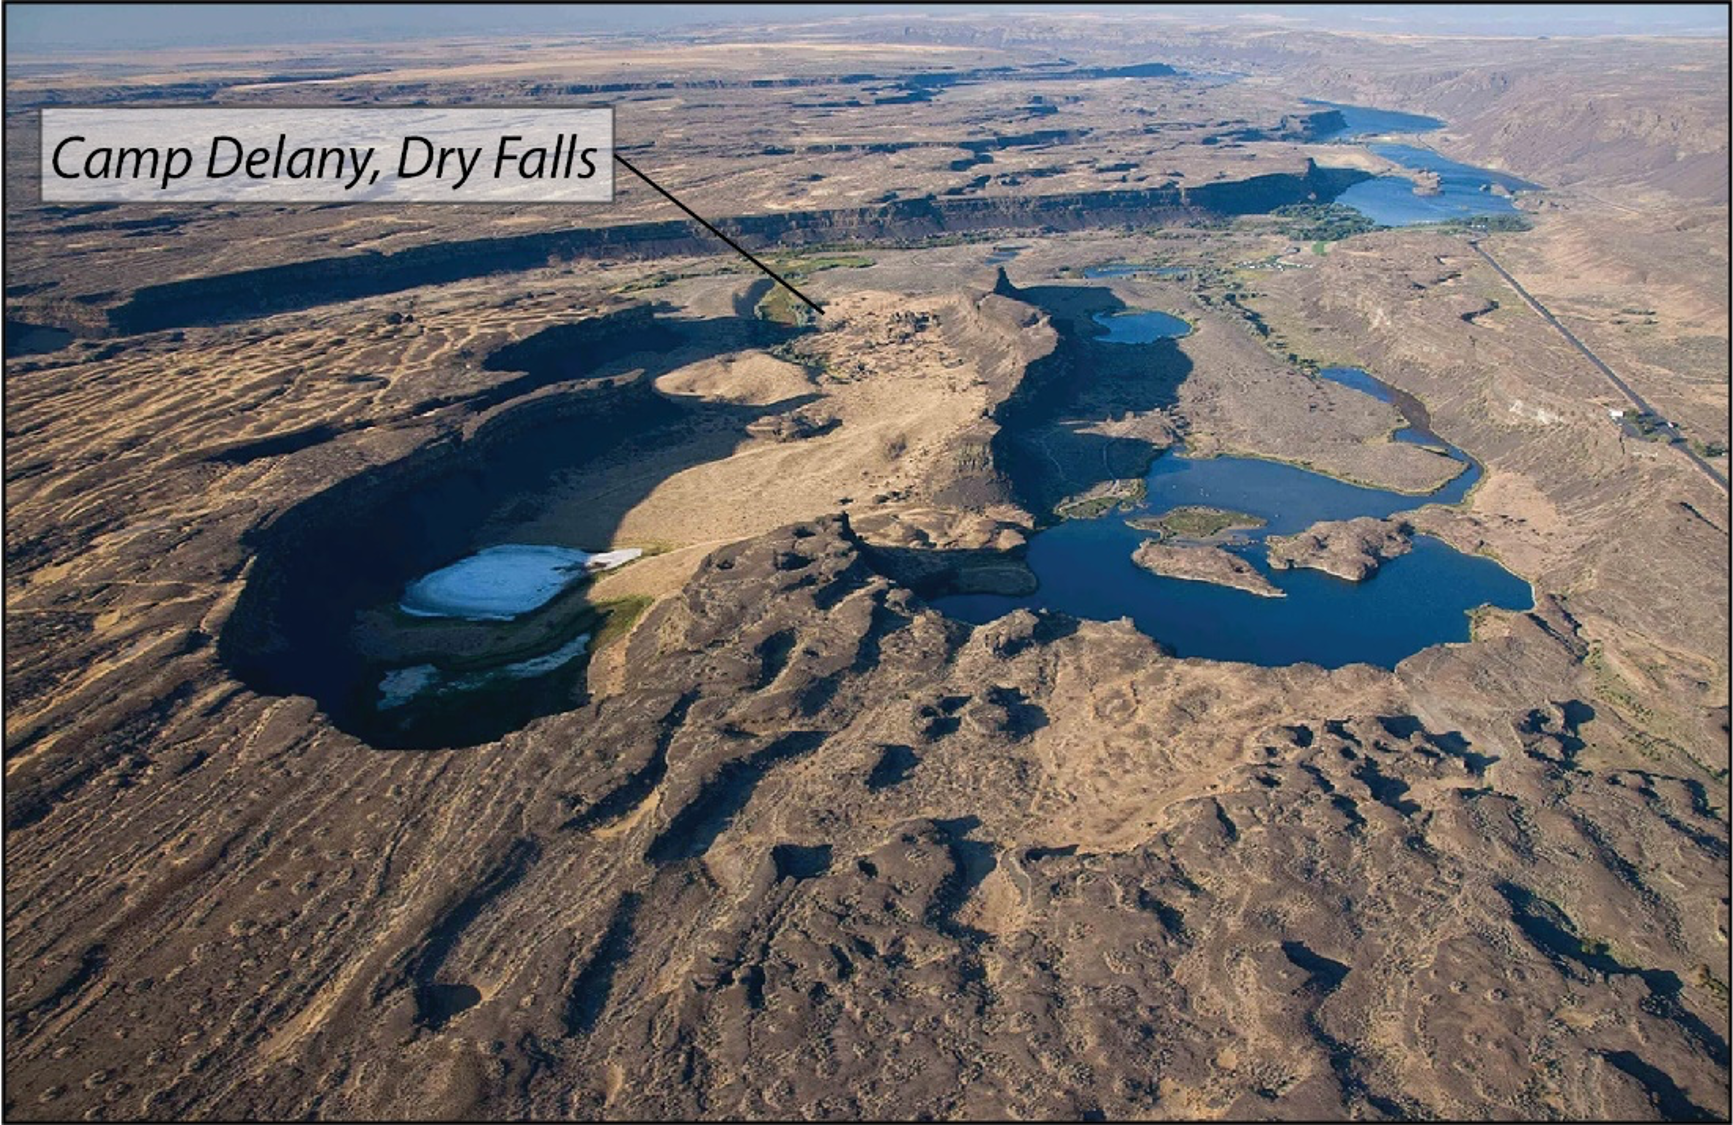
x=1140 y=326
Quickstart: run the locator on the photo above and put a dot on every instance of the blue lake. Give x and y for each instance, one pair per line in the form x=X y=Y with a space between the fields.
x=1451 y=172
x=1288 y=497
x=1414 y=601
x=1364 y=121
x=1464 y=190
x=1140 y=326
x=1124 y=269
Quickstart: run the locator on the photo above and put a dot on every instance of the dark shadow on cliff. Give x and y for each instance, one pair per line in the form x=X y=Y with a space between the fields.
x=357 y=544
x=246 y=294
x=1043 y=445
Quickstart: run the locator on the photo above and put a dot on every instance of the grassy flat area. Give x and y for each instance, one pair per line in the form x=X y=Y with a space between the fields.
x=1103 y=498
x=1196 y=522
x=618 y=617
x=781 y=306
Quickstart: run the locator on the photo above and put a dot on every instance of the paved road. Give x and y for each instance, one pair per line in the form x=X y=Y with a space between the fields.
x=1624 y=387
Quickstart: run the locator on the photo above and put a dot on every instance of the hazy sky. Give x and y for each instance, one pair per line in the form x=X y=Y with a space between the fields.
x=38 y=28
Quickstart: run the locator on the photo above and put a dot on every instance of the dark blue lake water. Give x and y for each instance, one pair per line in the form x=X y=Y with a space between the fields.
x=1419 y=599
x=1414 y=601
x=34 y=339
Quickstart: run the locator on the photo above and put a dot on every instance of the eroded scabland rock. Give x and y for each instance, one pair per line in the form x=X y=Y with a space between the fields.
x=830 y=854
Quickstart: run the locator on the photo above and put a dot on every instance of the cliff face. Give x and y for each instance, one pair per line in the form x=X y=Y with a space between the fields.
x=250 y=293
x=1005 y=336
x=1310 y=126
x=1265 y=193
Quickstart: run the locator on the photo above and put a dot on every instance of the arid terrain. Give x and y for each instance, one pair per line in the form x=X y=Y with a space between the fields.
x=790 y=840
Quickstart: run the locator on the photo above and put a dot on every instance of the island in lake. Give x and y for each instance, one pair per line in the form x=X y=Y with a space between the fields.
x=1351 y=549
x=1196 y=521
x=1197 y=563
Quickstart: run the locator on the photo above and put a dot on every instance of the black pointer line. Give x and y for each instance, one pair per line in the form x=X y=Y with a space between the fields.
x=810 y=303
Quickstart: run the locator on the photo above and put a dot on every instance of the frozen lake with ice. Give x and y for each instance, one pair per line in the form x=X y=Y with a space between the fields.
x=500 y=583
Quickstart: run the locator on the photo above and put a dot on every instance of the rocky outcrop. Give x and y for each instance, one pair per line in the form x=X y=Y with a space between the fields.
x=1351 y=549
x=1197 y=563
x=796 y=426
x=1427 y=183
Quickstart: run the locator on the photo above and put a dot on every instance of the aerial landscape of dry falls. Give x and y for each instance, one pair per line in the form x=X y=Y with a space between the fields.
x=1222 y=614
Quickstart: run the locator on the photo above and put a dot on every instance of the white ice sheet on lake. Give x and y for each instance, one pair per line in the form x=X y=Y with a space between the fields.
x=500 y=583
